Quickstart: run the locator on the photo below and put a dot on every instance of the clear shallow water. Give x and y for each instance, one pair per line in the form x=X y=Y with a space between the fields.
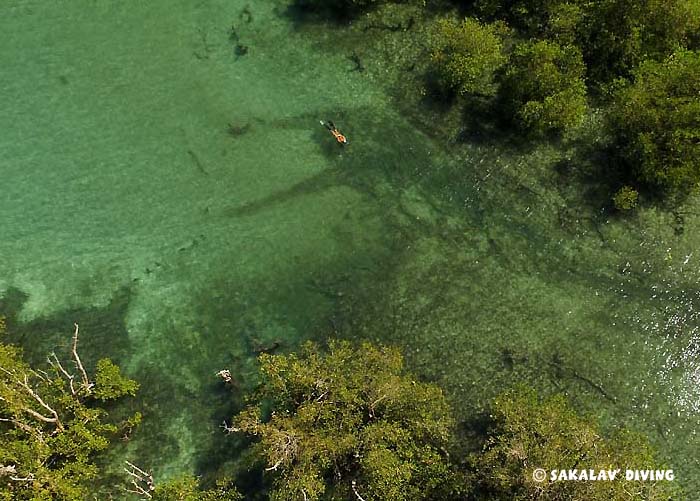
x=181 y=248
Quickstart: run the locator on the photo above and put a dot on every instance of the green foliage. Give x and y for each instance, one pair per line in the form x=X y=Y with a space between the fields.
x=50 y=429
x=109 y=382
x=544 y=86
x=622 y=33
x=529 y=433
x=350 y=418
x=467 y=54
x=186 y=488
x=564 y=22
x=626 y=198
x=614 y=35
x=657 y=119
x=530 y=15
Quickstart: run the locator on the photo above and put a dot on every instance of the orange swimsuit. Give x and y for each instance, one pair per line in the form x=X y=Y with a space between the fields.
x=338 y=136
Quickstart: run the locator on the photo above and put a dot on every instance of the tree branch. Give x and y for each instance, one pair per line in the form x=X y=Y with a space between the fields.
x=11 y=471
x=229 y=429
x=86 y=381
x=54 y=419
x=286 y=451
x=141 y=480
x=57 y=365
x=25 y=427
x=354 y=489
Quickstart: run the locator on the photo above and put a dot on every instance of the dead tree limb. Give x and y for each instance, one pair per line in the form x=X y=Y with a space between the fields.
x=8 y=470
x=26 y=428
x=11 y=471
x=286 y=450
x=56 y=363
x=141 y=480
x=229 y=429
x=76 y=358
x=354 y=489
x=54 y=415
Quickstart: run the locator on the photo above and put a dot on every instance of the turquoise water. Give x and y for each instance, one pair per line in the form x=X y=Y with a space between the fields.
x=181 y=202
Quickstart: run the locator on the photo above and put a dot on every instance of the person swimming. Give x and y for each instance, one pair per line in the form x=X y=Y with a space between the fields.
x=342 y=140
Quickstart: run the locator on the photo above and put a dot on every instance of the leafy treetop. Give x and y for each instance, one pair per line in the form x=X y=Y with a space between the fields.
x=349 y=422
x=529 y=432
x=51 y=425
x=467 y=54
x=544 y=86
x=658 y=121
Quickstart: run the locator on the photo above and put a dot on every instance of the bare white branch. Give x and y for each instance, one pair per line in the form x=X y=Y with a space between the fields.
x=56 y=363
x=354 y=489
x=25 y=427
x=11 y=471
x=54 y=415
x=229 y=429
x=141 y=480
x=86 y=381
x=8 y=470
x=285 y=451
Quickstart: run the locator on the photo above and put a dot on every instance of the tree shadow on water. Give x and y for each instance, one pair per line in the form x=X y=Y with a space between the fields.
x=304 y=12
x=379 y=148
x=103 y=331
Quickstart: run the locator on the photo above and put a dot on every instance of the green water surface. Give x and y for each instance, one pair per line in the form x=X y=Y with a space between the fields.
x=179 y=200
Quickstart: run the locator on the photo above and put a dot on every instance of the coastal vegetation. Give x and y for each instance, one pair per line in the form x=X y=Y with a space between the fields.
x=349 y=421
x=53 y=421
x=657 y=120
x=188 y=488
x=626 y=198
x=343 y=422
x=544 y=87
x=546 y=66
x=467 y=54
x=528 y=432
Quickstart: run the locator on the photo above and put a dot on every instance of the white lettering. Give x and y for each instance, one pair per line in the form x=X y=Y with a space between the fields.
x=649 y=475
x=610 y=475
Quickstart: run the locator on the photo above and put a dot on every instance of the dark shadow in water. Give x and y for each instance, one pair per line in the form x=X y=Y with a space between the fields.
x=103 y=330
x=314 y=184
x=377 y=149
x=103 y=334
x=301 y=12
x=485 y=122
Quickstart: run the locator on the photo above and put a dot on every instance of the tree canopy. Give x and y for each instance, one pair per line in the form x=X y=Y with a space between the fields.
x=186 y=488
x=528 y=432
x=544 y=86
x=467 y=54
x=349 y=422
x=620 y=34
x=657 y=120
x=52 y=423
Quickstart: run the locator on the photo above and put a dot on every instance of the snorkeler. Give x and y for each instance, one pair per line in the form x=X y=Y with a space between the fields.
x=342 y=140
